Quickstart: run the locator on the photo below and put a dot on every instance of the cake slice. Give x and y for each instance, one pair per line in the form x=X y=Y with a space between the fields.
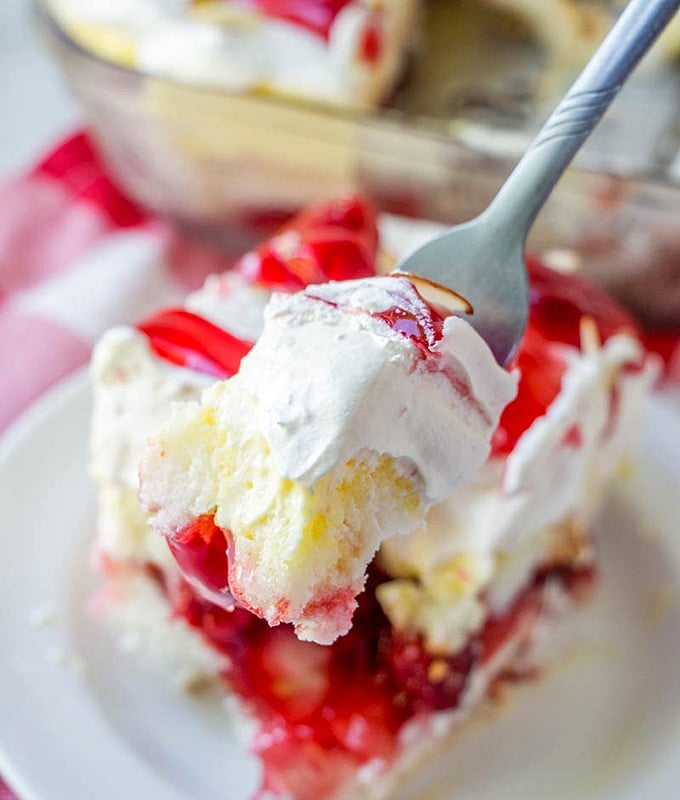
x=358 y=408
x=347 y=52
x=448 y=611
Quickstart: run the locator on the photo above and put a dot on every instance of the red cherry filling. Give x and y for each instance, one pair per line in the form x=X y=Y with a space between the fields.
x=414 y=318
x=323 y=712
x=666 y=344
x=201 y=552
x=185 y=339
x=315 y=15
x=410 y=316
x=336 y=241
x=557 y=304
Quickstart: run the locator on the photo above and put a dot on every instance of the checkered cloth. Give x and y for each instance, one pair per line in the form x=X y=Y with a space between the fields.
x=76 y=257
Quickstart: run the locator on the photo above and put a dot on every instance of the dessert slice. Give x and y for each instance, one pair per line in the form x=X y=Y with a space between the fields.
x=358 y=408
x=344 y=51
x=138 y=372
x=449 y=611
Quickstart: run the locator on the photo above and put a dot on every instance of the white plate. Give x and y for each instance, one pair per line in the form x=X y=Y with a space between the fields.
x=79 y=719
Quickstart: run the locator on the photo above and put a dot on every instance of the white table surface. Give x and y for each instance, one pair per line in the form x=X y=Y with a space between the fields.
x=35 y=107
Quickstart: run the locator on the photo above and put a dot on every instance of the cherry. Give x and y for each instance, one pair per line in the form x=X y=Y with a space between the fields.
x=201 y=552
x=557 y=304
x=421 y=324
x=410 y=315
x=185 y=339
x=334 y=241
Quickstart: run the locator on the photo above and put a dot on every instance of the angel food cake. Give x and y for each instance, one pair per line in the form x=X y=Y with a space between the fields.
x=337 y=51
x=358 y=408
x=450 y=606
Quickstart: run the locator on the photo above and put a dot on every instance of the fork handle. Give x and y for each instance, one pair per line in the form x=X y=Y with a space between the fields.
x=522 y=196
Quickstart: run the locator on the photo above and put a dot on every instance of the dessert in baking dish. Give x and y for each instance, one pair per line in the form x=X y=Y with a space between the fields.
x=336 y=51
x=448 y=610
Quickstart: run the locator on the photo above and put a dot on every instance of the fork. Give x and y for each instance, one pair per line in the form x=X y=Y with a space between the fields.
x=483 y=259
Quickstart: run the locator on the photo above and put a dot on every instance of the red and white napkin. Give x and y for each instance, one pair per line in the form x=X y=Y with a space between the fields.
x=77 y=256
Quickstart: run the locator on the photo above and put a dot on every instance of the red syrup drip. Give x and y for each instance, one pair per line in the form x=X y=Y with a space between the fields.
x=410 y=316
x=315 y=15
x=422 y=325
x=325 y=711
x=557 y=304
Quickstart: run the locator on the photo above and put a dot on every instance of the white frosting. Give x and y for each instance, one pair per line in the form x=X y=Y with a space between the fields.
x=508 y=518
x=132 y=392
x=232 y=303
x=333 y=383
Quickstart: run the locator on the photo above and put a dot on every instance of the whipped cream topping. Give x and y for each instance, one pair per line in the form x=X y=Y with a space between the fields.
x=232 y=302
x=517 y=512
x=132 y=392
x=133 y=388
x=333 y=383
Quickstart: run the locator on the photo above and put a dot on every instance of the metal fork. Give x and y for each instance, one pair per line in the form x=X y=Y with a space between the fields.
x=483 y=259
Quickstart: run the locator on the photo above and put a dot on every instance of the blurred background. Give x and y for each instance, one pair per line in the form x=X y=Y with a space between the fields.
x=36 y=106
x=227 y=151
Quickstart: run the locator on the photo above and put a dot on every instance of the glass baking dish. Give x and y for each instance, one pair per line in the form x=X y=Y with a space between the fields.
x=227 y=165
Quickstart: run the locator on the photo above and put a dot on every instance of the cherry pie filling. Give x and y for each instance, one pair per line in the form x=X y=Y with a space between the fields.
x=323 y=712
